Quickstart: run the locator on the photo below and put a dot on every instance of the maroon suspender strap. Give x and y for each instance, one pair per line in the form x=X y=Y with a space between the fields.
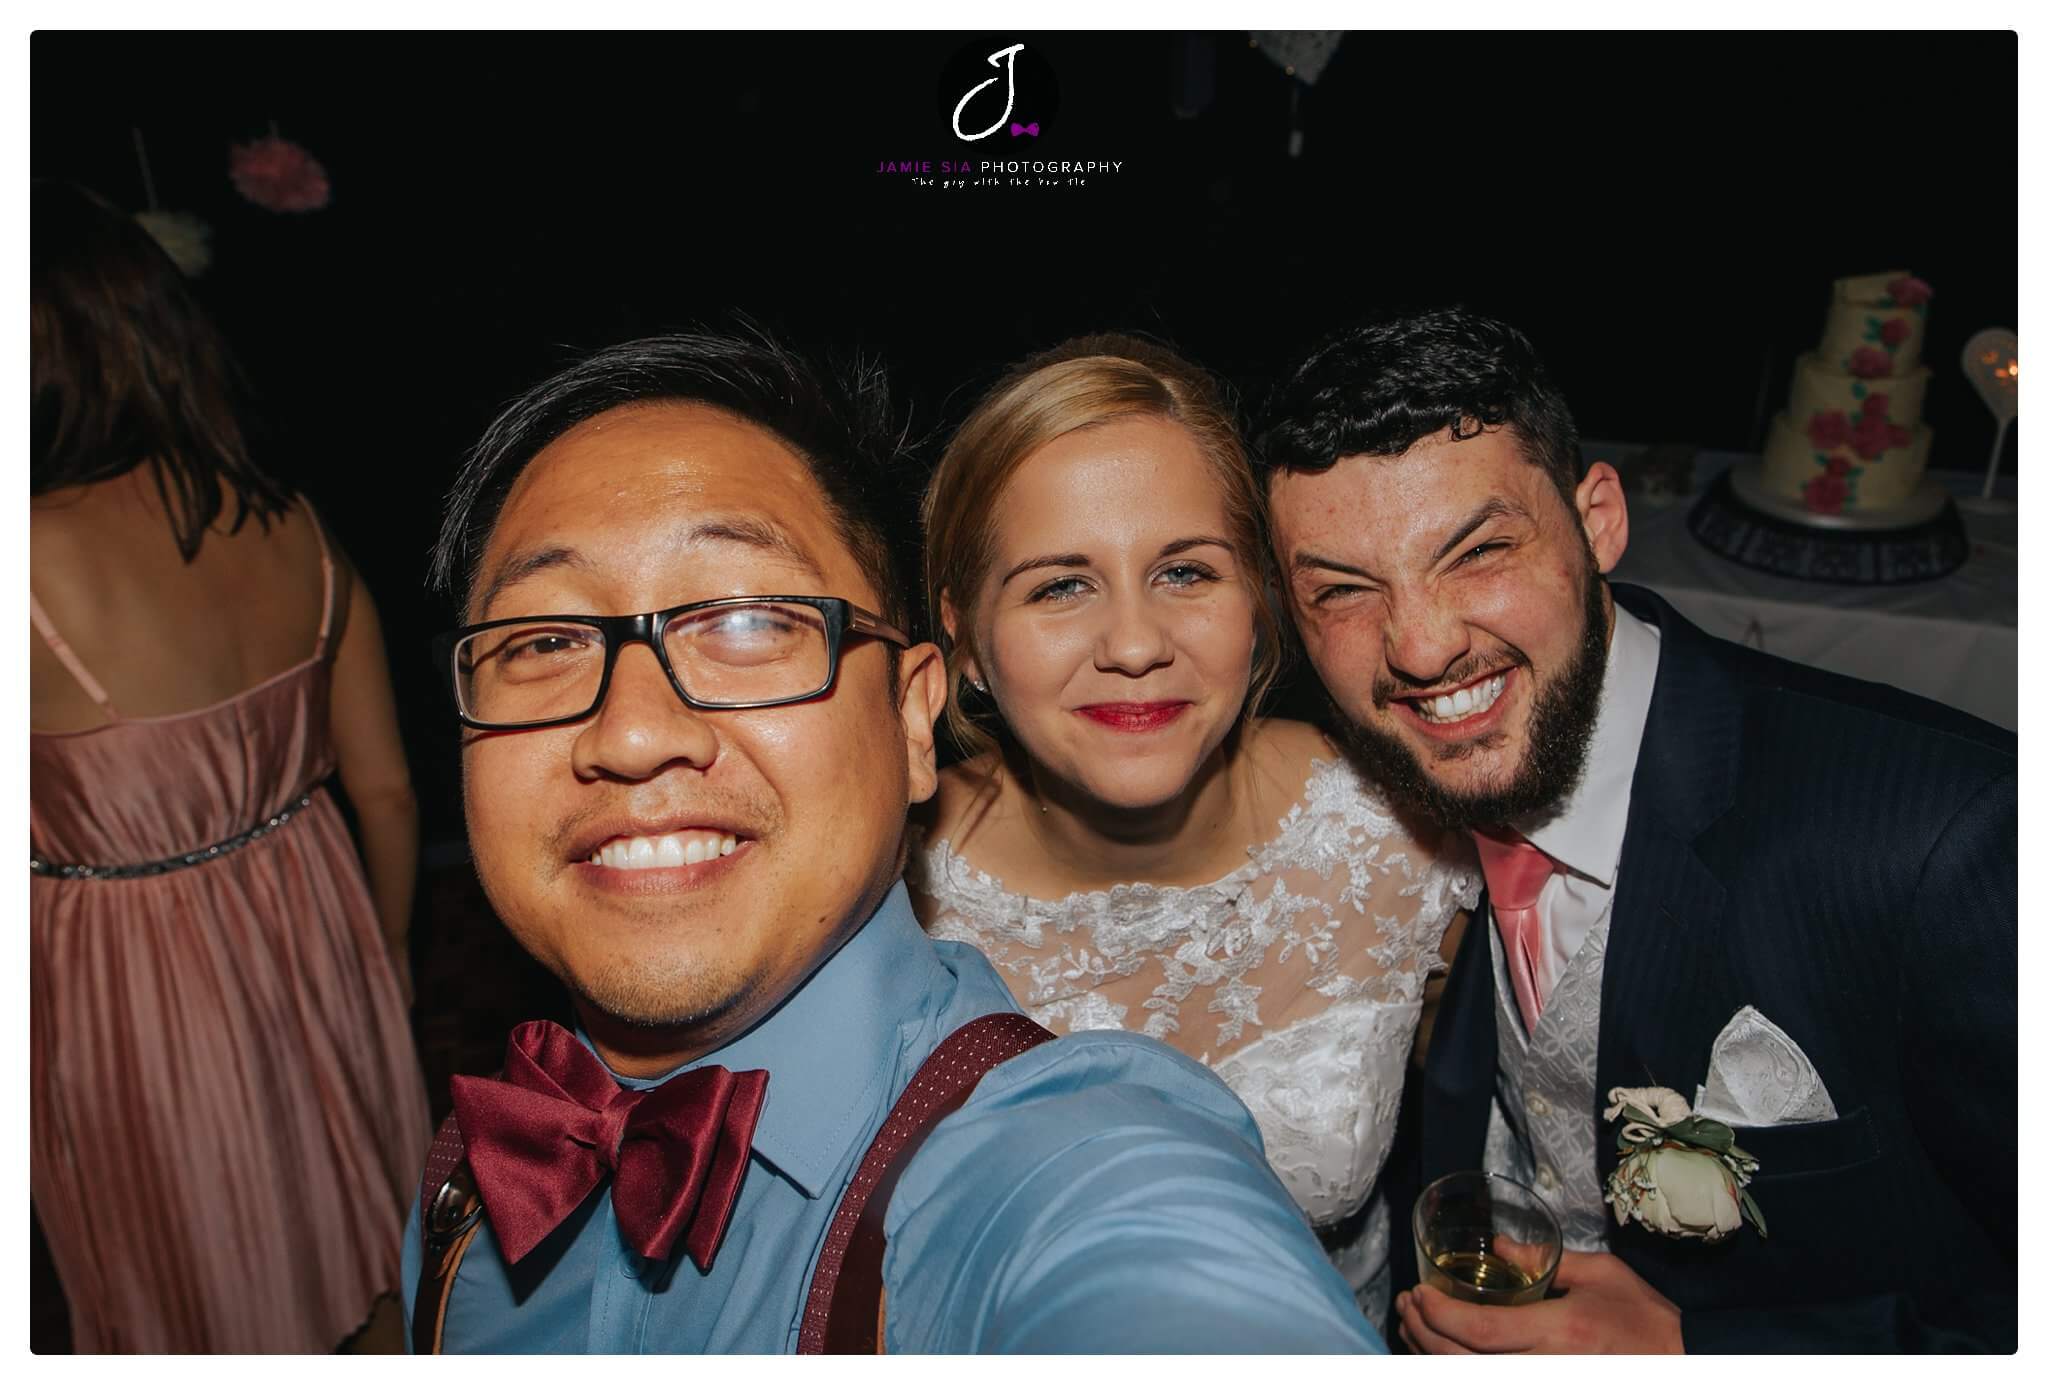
x=449 y=1213
x=844 y=1311
x=442 y=1156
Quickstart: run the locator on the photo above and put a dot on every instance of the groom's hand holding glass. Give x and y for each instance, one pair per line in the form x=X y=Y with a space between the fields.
x=1602 y=1306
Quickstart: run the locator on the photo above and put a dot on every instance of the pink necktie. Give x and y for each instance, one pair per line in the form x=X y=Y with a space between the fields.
x=1515 y=874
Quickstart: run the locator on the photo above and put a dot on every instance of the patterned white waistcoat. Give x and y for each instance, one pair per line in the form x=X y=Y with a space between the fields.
x=1544 y=1130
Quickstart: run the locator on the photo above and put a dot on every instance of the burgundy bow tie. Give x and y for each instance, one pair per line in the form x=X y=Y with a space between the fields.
x=558 y=1123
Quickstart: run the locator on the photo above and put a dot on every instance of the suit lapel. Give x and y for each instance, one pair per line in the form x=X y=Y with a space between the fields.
x=1457 y=1085
x=1665 y=982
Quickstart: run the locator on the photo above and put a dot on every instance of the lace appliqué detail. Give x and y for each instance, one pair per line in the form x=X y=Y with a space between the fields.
x=1297 y=977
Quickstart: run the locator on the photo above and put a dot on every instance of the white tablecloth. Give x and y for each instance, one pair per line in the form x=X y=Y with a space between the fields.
x=1955 y=639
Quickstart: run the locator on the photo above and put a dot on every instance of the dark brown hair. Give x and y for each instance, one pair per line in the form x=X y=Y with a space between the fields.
x=126 y=370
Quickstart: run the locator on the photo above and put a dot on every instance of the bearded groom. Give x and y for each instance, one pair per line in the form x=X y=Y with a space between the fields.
x=1786 y=896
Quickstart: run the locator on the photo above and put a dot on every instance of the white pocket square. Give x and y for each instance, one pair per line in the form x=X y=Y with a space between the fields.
x=1758 y=1076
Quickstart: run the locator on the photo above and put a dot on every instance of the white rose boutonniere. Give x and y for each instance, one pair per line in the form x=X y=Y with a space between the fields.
x=1680 y=1174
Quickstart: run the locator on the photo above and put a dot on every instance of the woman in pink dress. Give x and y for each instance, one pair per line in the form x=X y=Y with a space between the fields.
x=226 y=1109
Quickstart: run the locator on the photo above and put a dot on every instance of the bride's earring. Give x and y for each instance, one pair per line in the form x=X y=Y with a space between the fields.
x=978 y=685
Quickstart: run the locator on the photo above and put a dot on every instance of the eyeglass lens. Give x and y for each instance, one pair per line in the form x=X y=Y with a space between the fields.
x=545 y=669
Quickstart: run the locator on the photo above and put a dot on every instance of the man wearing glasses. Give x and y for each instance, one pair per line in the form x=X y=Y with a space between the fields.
x=693 y=726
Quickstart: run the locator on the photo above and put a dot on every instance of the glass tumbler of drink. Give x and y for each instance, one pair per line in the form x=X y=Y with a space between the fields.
x=1486 y=1239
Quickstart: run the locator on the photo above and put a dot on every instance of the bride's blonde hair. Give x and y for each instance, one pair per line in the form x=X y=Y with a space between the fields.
x=1078 y=384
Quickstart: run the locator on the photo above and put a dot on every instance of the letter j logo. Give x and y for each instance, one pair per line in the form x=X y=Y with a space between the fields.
x=1005 y=58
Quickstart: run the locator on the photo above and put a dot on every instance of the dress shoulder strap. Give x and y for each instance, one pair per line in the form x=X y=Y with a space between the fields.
x=326 y=580
x=67 y=656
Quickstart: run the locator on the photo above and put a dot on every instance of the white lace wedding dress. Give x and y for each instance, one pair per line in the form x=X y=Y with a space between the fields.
x=1297 y=977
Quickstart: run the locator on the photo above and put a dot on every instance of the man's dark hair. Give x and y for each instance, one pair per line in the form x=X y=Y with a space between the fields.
x=1378 y=387
x=836 y=418
x=126 y=370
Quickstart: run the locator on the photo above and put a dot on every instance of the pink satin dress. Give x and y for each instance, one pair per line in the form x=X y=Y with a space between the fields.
x=227 y=1114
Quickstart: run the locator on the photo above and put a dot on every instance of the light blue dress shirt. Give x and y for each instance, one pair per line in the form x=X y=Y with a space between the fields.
x=1100 y=1193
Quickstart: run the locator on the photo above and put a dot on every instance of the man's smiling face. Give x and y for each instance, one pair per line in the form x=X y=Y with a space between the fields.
x=1453 y=605
x=641 y=509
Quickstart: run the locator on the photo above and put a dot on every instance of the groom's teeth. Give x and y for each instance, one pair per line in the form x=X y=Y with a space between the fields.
x=667 y=851
x=1464 y=702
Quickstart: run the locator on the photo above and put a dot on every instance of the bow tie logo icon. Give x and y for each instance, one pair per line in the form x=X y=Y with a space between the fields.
x=1031 y=129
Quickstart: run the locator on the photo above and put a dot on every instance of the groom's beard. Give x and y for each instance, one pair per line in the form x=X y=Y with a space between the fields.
x=1560 y=734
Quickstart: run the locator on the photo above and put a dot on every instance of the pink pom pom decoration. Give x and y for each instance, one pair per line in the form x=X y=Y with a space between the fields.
x=278 y=175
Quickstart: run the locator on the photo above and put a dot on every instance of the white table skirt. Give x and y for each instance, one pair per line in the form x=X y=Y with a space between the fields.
x=1955 y=639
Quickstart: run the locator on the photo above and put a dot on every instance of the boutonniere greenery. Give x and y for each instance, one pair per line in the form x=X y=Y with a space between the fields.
x=1680 y=1174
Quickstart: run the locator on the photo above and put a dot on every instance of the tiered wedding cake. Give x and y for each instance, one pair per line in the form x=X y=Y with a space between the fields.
x=1850 y=441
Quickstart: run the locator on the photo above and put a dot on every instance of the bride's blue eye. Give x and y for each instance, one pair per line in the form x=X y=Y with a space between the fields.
x=1059 y=589
x=1187 y=575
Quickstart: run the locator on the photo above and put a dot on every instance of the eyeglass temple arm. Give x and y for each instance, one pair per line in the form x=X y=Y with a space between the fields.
x=868 y=623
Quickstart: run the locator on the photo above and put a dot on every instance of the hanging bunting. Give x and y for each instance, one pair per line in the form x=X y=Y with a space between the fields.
x=183 y=236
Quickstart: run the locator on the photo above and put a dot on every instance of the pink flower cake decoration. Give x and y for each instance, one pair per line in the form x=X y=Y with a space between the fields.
x=1828 y=430
x=1825 y=493
x=1908 y=292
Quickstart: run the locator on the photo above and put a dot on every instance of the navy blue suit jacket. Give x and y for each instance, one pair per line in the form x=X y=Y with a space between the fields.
x=1844 y=857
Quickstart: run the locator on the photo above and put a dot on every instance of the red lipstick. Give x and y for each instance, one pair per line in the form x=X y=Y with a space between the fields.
x=1133 y=716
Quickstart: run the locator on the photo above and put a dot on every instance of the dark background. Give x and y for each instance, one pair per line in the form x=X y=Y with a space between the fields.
x=1661 y=213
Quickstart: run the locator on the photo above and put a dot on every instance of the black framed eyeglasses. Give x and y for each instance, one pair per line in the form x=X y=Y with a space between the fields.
x=733 y=653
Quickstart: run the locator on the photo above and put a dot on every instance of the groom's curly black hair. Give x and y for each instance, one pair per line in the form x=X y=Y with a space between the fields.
x=1378 y=387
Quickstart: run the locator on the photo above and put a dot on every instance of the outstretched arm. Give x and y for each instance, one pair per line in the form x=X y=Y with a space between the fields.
x=1106 y=1195
x=373 y=768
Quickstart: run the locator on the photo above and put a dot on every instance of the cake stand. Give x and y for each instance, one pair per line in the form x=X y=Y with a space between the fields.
x=1917 y=540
